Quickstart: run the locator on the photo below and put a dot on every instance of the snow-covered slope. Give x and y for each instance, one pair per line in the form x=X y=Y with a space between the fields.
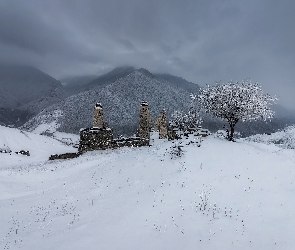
x=40 y=148
x=222 y=195
x=284 y=138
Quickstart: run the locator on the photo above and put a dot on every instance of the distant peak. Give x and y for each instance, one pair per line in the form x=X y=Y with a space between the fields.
x=146 y=72
x=122 y=69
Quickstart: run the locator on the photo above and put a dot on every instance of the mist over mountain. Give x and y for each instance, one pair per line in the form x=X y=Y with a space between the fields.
x=76 y=84
x=25 y=91
x=26 y=84
x=178 y=82
x=109 y=77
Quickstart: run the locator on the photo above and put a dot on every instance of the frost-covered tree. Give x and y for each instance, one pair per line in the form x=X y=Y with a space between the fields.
x=184 y=121
x=236 y=101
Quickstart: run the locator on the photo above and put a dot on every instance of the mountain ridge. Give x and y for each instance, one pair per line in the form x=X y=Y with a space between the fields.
x=121 y=101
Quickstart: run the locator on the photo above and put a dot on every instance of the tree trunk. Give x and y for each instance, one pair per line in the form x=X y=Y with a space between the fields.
x=232 y=123
x=231 y=132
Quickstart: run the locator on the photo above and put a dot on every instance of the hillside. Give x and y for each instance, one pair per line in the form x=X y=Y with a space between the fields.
x=221 y=195
x=284 y=138
x=121 y=102
x=40 y=147
x=24 y=92
x=26 y=84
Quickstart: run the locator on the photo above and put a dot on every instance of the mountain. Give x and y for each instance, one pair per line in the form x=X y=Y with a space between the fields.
x=121 y=103
x=26 y=84
x=26 y=90
x=178 y=82
x=76 y=84
x=108 y=78
x=84 y=83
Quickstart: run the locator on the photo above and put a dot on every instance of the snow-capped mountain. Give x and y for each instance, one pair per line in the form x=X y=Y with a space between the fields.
x=74 y=85
x=121 y=102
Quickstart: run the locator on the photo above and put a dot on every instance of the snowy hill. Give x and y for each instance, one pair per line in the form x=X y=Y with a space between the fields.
x=221 y=195
x=40 y=147
x=121 y=102
x=284 y=138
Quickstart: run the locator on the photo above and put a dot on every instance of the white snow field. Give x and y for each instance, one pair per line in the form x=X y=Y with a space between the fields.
x=222 y=195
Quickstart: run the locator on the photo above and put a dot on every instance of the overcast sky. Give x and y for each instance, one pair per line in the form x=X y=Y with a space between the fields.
x=202 y=41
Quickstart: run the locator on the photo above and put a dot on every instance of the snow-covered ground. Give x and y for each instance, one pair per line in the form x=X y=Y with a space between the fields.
x=283 y=139
x=40 y=147
x=222 y=195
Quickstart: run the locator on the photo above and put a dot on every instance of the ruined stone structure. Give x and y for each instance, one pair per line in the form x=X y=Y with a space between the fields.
x=98 y=116
x=95 y=139
x=172 y=133
x=100 y=137
x=162 y=125
x=145 y=121
x=157 y=124
x=64 y=156
x=130 y=142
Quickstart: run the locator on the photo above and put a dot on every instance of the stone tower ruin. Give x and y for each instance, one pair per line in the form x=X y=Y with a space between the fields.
x=145 y=121
x=98 y=116
x=162 y=125
x=100 y=136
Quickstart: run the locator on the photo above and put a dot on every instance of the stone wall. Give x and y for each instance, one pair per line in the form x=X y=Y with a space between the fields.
x=95 y=139
x=64 y=156
x=130 y=142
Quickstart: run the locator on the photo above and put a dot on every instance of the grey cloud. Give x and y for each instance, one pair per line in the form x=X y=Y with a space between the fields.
x=202 y=41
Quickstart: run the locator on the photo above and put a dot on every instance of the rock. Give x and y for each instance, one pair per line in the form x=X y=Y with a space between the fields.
x=64 y=156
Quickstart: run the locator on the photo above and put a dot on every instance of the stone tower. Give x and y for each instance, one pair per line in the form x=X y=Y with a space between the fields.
x=145 y=121
x=98 y=116
x=162 y=125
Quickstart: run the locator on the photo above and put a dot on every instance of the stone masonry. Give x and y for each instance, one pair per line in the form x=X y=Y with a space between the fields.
x=95 y=139
x=162 y=125
x=145 y=121
x=100 y=137
x=98 y=116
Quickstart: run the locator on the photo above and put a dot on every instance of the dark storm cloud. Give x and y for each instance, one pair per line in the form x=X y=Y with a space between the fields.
x=200 y=40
